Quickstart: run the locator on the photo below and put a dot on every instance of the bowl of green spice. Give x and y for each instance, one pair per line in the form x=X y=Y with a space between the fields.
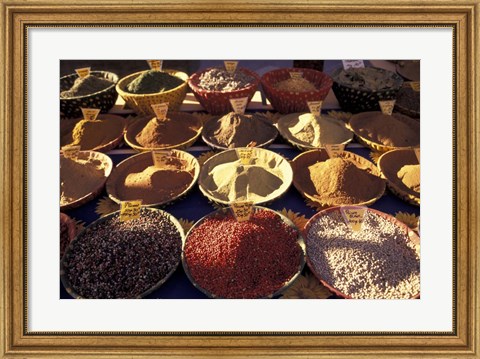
x=143 y=89
x=96 y=90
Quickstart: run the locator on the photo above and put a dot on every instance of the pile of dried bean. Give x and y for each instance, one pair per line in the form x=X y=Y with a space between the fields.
x=251 y=259
x=114 y=259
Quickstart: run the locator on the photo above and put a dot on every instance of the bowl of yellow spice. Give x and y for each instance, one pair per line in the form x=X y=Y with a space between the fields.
x=402 y=172
x=97 y=90
x=289 y=89
x=143 y=89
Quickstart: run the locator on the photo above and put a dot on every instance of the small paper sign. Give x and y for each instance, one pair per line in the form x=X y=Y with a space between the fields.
x=230 y=66
x=355 y=64
x=155 y=64
x=387 y=106
x=353 y=216
x=239 y=104
x=415 y=85
x=161 y=158
x=334 y=150
x=315 y=107
x=245 y=154
x=242 y=210
x=83 y=72
x=70 y=151
x=296 y=75
x=160 y=110
x=417 y=153
x=90 y=114
x=130 y=210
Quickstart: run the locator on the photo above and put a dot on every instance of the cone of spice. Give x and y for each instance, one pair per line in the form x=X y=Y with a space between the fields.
x=138 y=177
x=238 y=130
x=346 y=179
x=177 y=130
x=257 y=258
x=153 y=81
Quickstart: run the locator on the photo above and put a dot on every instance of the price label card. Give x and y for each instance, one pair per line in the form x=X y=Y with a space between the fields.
x=239 y=105
x=296 y=74
x=160 y=110
x=130 y=210
x=315 y=107
x=231 y=66
x=242 y=210
x=155 y=64
x=353 y=216
x=334 y=150
x=70 y=151
x=83 y=72
x=90 y=114
x=161 y=158
x=245 y=154
x=387 y=106
x=417 y=153
x=415 y=85
x=352 y=64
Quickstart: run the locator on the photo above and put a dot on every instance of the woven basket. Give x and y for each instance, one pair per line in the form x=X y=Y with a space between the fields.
x=142 y=103
x=104 y=100
x=360 y=100
x=289 y=102
x=218 y=102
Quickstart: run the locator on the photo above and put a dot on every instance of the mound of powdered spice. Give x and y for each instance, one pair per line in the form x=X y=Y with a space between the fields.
x=251 y=259
x=85 y=86
x=79 y=177
x=153 y=81
x=295 y=85
x=115 y=259
x=237 y=130
x=340 y=181
x=176 y=129
x=217 y=79
x=377 y=262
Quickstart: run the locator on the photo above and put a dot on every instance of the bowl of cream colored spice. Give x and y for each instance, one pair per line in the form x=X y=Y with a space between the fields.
x=96 y=90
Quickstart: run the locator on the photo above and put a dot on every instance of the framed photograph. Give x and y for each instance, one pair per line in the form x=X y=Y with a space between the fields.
x=50 y=42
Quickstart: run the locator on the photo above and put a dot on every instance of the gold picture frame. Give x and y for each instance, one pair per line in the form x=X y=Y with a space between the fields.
x=17 y=15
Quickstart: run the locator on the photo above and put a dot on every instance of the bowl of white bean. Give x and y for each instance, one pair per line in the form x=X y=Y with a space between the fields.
x=379 y=260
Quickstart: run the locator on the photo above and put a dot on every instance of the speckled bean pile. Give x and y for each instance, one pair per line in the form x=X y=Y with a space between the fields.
x=217 y=79
x=377 y=262
x=117 y=259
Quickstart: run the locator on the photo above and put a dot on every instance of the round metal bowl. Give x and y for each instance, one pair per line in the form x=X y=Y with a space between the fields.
x=223 y=212
x=91 y=227
x=319 y=273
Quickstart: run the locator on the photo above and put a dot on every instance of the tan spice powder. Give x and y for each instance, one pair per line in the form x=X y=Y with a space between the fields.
x=341 y=181
x=92 y=134
x=295 y=85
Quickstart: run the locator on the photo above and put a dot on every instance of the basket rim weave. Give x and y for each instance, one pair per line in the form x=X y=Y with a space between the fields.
x=124 y=81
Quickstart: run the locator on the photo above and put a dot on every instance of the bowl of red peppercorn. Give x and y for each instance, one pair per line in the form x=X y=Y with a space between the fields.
x=257 y=258
x=114 y=259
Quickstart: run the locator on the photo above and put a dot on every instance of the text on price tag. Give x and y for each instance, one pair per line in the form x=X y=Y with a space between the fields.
x=245 y=154
x=161 y=158
x=155 y=64
x=387 y=106
x=242 y=210
x=315 y=107
x=90 y=114
x=352 y=64
x=70 y=151
x=161 y=110
x=130 y=210
x=296 y=74
x=354 y=216
x=83 y=72
x=230 y=66
x=239 y=105
x=334 y=149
